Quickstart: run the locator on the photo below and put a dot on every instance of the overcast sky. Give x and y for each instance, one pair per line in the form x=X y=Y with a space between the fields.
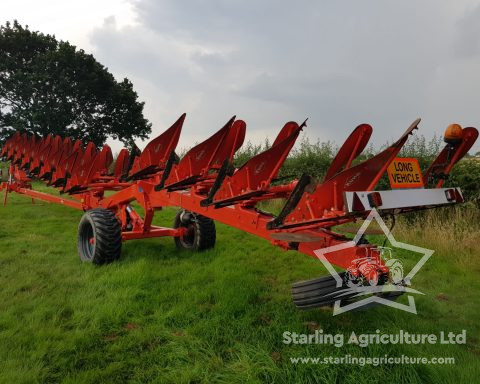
x=340 y=63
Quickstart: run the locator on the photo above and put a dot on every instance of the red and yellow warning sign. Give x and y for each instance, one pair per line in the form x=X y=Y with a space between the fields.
x=405 y=172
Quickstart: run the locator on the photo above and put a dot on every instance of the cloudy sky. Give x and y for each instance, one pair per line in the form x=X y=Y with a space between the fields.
x=340 y=63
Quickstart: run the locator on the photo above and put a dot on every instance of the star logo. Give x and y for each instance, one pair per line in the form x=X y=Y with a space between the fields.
x=338 y=308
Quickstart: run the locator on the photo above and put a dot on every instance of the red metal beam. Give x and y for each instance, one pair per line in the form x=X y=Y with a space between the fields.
x=42 y=196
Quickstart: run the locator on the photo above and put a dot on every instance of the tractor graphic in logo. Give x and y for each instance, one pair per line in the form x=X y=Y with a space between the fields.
x=367 y=270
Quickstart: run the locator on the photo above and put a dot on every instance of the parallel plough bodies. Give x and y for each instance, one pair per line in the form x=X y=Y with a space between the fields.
x=205 y=184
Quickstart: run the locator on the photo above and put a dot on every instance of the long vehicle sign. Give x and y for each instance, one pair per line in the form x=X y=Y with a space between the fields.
x=404 y=172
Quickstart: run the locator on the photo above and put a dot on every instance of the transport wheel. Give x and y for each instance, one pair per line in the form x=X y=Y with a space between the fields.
x=99 y=236
x=200 y=235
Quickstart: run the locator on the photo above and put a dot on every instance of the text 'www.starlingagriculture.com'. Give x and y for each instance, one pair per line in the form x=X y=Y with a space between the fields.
x=374 y=361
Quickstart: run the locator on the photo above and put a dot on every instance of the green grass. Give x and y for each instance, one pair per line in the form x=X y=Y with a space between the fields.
x=166 y=316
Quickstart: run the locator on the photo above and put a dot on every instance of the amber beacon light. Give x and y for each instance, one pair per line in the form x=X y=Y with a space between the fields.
x=453 y=134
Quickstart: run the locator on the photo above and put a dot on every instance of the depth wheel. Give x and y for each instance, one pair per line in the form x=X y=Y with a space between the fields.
x=99 y=236
x=200 y=235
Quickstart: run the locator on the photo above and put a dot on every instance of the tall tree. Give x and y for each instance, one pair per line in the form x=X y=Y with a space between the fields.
x=48 y=86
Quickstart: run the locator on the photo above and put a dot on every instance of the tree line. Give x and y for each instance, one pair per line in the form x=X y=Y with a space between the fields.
x=50 y=86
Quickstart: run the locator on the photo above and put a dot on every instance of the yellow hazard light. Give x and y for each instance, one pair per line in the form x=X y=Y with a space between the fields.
x=453 y=134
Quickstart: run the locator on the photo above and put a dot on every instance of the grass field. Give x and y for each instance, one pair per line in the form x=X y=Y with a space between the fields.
x=161 y=315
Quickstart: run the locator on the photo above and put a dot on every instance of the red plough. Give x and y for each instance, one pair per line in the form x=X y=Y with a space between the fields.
x=207 y=188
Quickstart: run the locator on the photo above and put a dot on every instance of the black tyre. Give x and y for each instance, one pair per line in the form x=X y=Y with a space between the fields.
x=319 y=292
x=200 y=235
x=99 y=236
x=323 y=292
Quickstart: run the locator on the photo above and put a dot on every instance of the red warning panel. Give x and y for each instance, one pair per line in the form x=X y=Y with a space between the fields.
x=405 y=172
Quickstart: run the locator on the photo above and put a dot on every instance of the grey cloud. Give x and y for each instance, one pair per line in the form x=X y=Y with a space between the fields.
x=339 y=63
x=467 y=39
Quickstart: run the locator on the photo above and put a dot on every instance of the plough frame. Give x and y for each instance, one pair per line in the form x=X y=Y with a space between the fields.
x=207 y=188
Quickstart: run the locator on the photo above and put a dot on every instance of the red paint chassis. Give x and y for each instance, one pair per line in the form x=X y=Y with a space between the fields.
x=205 y=182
